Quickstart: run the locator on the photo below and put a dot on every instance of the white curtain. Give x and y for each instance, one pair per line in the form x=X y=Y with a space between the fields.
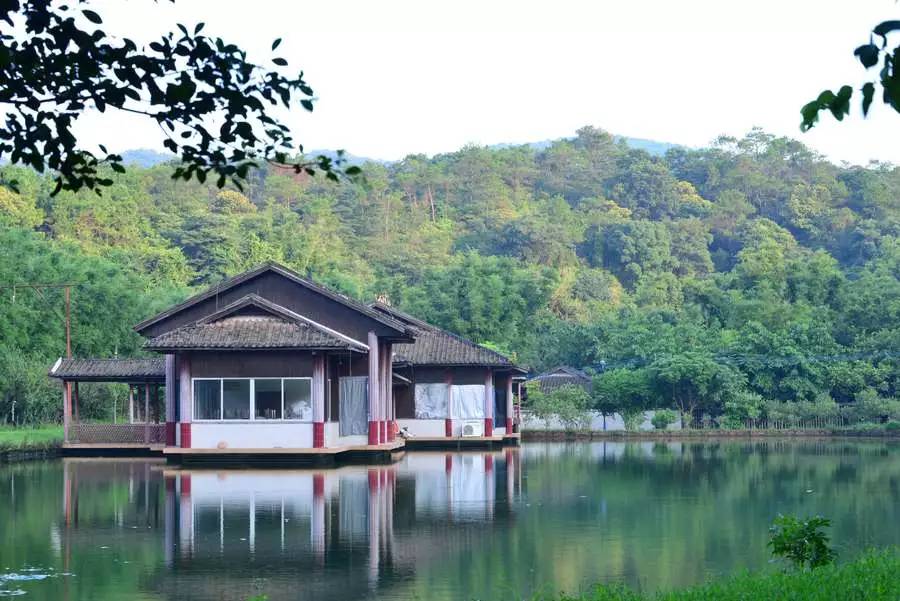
x=468 y=401
x=354 y=401
x=431 y=401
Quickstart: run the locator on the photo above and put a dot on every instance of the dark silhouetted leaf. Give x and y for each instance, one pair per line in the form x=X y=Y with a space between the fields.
x=868 y=55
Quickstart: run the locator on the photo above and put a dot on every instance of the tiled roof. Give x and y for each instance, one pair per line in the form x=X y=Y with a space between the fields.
x=249 y=332
x=110 y=369
x=434 y=346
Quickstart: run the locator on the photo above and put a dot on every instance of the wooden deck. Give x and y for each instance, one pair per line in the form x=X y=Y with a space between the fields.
x=379 y=453
x=112 y=449
x=388 y=446
x=462 y=442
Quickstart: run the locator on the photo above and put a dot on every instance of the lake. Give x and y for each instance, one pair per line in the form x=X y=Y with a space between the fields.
x=435 y=525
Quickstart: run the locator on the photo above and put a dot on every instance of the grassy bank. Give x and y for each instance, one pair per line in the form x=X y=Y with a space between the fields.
x=873 y=577
x=41 y=437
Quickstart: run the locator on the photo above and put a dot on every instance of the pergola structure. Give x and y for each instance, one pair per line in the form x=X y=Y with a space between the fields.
x=144 y=378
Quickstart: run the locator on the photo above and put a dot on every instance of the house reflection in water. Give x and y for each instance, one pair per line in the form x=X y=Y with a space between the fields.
x=353 y=532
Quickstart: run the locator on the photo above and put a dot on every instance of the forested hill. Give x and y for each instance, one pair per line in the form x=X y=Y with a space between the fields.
x=753 y=265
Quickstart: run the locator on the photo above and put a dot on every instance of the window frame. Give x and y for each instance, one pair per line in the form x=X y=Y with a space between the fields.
x=252 y=380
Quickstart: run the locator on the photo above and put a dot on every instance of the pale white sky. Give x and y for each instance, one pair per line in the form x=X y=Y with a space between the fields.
x=395 y=77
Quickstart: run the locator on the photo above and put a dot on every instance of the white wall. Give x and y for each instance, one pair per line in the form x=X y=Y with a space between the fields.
x=333 y=437
x=251 y=435
x=429 y=428
x=613 y=422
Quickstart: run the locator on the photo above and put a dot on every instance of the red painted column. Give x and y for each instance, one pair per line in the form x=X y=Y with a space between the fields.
x=383 y=359
x=318 y=400
x=374 y=389
x=489 y=403
x=186 y=401
x=391 y=423
x=170 y=400
x=448 y=423
x=509 y=404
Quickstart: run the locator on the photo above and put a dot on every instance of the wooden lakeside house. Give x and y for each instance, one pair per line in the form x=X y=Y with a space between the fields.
x=268 y=363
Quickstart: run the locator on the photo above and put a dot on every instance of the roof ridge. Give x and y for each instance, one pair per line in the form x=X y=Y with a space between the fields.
x=283 y=314
x=284 y=271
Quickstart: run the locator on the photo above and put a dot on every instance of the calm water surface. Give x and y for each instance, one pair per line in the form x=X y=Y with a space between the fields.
x=435 y=525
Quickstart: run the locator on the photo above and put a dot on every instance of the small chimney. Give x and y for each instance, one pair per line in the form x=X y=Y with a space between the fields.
x=383 y=298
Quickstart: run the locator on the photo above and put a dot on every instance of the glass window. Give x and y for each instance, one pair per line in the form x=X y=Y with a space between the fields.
x=267 y=394
x=298 y=399
x=207 y=399
x=236 y=399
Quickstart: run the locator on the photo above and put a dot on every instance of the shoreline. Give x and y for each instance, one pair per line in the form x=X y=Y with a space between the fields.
x=23 y=454
x=44 y=451
x=674 y=435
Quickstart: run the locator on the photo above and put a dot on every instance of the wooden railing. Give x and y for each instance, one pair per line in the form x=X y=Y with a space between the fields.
x=118 y=433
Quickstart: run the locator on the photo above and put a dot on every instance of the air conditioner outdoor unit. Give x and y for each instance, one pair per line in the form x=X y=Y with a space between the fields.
x=473 y=428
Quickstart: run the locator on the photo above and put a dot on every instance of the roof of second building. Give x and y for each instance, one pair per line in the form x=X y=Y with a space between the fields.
x=561 y=376
x=110 y=370
x=434 y=346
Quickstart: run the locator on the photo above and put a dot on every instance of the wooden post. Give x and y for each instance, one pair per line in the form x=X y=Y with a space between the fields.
x=489 y=403
x=130 y=404
x=75 y=402
x=374 y=389
x=67 y=409
x=146 y=413
x=509 y=404
x=318 y=401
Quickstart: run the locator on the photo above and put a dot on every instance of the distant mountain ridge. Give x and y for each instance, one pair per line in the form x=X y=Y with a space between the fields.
x=145 y=157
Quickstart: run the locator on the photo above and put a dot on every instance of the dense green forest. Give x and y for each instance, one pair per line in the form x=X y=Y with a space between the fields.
x=710 y=280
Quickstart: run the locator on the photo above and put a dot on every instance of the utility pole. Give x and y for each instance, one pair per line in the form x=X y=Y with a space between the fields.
x=38 y=288
x=68 y=322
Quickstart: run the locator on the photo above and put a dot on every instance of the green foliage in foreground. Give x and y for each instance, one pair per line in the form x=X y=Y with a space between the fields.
x=801 y=542
x=43 y=437
x=873 y=577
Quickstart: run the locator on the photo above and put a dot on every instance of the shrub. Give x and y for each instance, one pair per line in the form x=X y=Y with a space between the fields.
x=892 y=426
x=662 y=418
x=570 y=404
x=742 y=406
x=632 y=418
x=870 y=407
x=801 y=542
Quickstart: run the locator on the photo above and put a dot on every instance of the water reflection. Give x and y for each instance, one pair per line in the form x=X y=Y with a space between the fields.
x=332 y=534
x=434 y=525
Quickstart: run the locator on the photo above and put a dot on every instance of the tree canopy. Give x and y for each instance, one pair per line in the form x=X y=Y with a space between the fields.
x=704 y=279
